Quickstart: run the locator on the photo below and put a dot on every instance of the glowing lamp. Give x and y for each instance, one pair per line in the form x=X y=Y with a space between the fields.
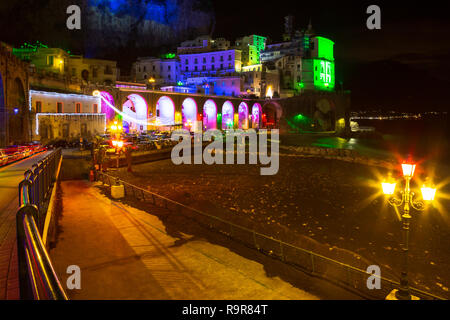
x=114 y=128
x=96 y=93
x=119 y=144
x=428 y=191
x=388 y=188
x=114 y=143
x=408 y=169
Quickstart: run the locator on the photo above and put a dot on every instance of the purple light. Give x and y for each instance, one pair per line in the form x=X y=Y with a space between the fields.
x=210 y=115
x=227 y=115
x=110 y=113
x=243 y=116
x=256 y=116
x=189 y=112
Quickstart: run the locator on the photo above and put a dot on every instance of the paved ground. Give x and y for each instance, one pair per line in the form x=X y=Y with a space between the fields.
x=126 y=253
x=10 y=177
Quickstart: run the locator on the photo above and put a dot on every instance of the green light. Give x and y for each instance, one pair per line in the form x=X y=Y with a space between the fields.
x=325 y=47
x=168 y=56
x=179 y=83
x=324 y=74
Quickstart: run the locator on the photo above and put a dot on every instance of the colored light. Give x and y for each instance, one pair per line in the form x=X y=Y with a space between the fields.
x=324 y=74
x=96 y=93
x=408 y=169
x=269 y=92
x=388 y=188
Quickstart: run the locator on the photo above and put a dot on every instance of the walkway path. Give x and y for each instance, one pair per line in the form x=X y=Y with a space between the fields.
x=10 y=177
x=125 y=253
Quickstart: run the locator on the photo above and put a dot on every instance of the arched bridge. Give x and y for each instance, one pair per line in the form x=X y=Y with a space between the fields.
x=141 y=108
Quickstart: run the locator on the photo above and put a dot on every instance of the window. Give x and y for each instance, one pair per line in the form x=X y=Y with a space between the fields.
x=169 y=67
x=187 y=69
x=229 y=66
x=50 y=60
x=94 y=73
x=229 y=57
x=221 y=58
x=196 y=61
x=95 y=108
x=145 y=68
x=204 y=68
x=38 y=106
x=213 y=67
x=221 y=66
x=196 y=68
x=154 y=68
x=204 y=60
x=186 y=61
x=212 y=59
x=108 y=70
x=59 y=107
x=78 y=107
x=74 y=72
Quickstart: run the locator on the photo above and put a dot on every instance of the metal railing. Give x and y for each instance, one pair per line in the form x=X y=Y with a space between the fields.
x=341 y=274
x=37 y=278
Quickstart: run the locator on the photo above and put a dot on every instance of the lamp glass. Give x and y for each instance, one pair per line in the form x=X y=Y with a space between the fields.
x=428 y=193
x=408 y=169
x=388 y=188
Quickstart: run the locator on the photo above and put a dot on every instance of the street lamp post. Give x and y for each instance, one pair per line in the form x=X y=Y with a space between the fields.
x=152 y=82
x=407 y=201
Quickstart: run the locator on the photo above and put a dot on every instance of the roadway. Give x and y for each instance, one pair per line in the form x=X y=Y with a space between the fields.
x=10 y=177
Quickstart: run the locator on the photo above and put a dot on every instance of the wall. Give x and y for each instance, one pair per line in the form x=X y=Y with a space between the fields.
x=14 y=73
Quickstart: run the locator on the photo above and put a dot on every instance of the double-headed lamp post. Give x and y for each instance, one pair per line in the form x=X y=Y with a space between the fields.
x=407 y=201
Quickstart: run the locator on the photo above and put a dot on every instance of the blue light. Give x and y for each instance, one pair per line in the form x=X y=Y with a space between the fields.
x=16 y=111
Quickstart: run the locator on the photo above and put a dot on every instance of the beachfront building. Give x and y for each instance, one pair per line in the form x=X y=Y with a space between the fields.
x=65 y=116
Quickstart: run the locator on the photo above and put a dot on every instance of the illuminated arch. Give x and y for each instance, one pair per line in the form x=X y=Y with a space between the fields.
x=272 y=113
x=135 y=108
x=210 y=115
x=165 y=111
x=243 y=115
x=256 y=116
x=109 y=112
x=189 y=113
x=227 y=115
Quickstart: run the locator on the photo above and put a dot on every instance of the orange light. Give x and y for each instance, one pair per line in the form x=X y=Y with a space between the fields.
x=408 y=169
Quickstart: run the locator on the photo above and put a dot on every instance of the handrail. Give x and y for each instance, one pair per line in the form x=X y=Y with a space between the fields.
x=392 y=283
x=37 y=277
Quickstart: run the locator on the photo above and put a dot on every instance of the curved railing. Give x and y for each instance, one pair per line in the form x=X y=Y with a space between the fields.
x=37 y=278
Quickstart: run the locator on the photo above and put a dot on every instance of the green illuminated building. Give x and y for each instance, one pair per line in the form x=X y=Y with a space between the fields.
x=318 y=70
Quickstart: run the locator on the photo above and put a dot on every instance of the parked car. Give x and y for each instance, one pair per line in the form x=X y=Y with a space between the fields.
x=13 y=153
x=24 y=152
x=4 y=159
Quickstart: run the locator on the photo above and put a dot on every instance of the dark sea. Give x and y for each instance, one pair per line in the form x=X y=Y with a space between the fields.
x=423 y=139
